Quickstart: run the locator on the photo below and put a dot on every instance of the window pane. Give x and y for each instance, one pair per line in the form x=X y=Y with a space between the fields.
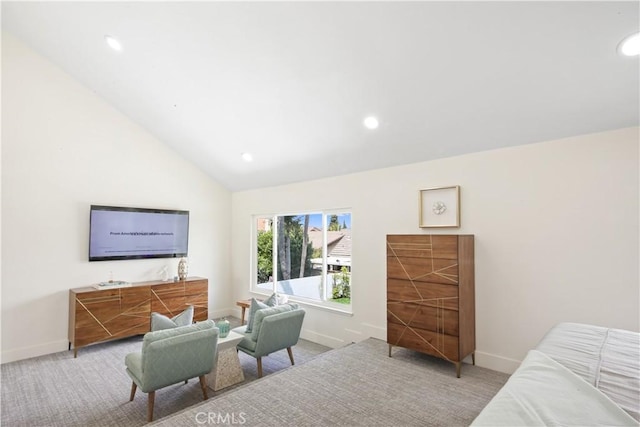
x=298 y=241
x=339 y=258
x=264 y=256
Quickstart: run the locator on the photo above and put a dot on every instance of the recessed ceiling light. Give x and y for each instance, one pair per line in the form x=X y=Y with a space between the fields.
x=247 y=157
x=630 y=46
x=113 y=43
x=371 y=122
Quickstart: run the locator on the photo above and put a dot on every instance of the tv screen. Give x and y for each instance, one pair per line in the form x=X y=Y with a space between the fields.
x=133 y=233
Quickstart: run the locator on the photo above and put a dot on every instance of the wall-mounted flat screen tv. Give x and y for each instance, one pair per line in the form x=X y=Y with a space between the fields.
x=133 y=233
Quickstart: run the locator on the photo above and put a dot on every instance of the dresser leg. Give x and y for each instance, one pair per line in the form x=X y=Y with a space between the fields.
x=473 y=358
x=458 y=365
x=390 y=347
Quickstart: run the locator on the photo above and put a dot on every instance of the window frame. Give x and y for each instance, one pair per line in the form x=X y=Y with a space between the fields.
x=326 y=304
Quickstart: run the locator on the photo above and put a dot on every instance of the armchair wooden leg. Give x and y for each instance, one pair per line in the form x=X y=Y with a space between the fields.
x=152 y=398
x=290 y=355
x=203 y=385
x=259 y=359
x=133 y=391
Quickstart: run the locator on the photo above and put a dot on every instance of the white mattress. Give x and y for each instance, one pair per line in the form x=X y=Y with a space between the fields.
x=608 y=359
x=542 y=392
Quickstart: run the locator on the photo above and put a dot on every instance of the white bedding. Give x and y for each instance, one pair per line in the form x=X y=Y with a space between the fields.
x=542 y=392
x=608 y=359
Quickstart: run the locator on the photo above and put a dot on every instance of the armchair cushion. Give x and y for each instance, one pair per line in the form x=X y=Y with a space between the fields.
x=256 y=305
x=261 y=314
x=160 y=321
x=246 y=341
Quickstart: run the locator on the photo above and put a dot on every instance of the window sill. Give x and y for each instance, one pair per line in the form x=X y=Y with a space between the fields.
x=342 y=309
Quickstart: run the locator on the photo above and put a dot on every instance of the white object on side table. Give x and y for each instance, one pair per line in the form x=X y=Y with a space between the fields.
x=228 y=370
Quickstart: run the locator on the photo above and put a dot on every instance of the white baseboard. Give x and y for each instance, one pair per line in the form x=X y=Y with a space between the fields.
x=497 y=363
x=345 y=336
x=33 y=351
x=224 y=312
x=323 y=339
x=374 y=331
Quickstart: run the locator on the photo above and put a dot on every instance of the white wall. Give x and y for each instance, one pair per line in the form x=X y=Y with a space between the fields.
x=556 y=223
x=556 y=226
x=64 y=148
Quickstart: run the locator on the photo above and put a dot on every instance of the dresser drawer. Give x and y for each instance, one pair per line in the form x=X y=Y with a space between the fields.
x=171 y=299
x=432 y=270
x=110 y=313
x=423 y=246
x=424 y=341
x=431 y=293
x=421 y=316
x=196 y=287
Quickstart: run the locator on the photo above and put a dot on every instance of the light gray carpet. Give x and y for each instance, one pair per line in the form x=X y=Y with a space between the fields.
x=358 y=385
x=93 y=390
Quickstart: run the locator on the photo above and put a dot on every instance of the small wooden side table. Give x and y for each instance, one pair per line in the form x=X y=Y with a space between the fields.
x=244 y=304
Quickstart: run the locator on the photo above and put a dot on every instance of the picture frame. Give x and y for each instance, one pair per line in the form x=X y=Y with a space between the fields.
x=440 y=207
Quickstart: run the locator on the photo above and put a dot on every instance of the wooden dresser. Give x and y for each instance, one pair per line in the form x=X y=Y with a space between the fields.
x=430 y=295
x=100 y=315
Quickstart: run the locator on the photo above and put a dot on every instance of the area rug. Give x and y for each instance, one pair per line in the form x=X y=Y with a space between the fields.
x=93 y=390
x=357 y=385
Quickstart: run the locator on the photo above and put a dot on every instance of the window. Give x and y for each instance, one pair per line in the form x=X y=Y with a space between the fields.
x=305 y=256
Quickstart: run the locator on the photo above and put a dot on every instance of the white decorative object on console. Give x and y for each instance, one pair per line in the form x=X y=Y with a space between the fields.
x=183 y=269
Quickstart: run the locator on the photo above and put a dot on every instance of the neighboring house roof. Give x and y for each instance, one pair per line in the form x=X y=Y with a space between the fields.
x=315 y=237
x=338 y=242
x=342 y=248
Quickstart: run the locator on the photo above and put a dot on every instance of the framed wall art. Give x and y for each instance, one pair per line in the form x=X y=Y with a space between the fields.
x=440 y=207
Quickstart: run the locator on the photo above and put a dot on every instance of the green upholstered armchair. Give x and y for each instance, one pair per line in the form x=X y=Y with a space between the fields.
x=274 y=329
x=173 y=355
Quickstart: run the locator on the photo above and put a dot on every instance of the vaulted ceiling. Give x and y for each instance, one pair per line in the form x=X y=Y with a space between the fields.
x=291 y=82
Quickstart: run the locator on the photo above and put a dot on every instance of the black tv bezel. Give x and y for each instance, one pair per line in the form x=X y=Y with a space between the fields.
x=136 y=209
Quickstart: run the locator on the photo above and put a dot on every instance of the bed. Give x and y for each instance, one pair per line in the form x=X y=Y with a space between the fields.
x=577 y=375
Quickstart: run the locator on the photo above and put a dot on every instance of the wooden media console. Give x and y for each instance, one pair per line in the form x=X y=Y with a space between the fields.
x=106 y=314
